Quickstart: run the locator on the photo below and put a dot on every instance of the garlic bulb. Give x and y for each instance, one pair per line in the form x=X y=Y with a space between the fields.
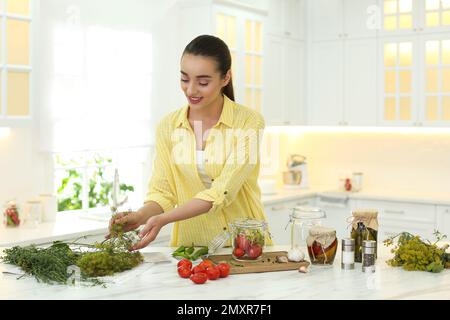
x=296 y=255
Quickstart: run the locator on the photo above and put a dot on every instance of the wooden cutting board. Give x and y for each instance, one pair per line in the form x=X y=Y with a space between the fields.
x=268 y=263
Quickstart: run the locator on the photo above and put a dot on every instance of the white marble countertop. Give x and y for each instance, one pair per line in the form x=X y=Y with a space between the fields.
x=161 y=281
x=72 y=225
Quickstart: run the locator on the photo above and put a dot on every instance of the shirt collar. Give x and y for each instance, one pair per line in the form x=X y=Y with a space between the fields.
x=226 y=117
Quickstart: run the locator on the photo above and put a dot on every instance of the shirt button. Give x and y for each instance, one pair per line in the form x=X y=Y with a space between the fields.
x=206 y=160
x=225 y=192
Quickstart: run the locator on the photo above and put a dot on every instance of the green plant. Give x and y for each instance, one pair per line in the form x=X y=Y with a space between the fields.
x=415 y=254
x=100 y=187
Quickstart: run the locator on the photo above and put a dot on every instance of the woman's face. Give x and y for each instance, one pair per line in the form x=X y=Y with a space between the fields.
x=201 y=80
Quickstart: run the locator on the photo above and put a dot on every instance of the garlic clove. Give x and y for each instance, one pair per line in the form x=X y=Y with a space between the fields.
x=303 y=269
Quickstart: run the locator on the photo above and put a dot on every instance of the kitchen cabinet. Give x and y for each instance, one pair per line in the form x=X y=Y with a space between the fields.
x=415 y=84
x=16 y=74
x=443 y=220
x=408 y=17
x=343 y=83
x=284 y=82
x=278 y=218
x=341 y=19
x=286 y=19
x=397 y=217
x=241 y=27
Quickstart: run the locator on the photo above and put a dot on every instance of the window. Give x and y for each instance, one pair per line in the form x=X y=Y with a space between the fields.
x=84 y=180
x=15 y=58
x=98 y=114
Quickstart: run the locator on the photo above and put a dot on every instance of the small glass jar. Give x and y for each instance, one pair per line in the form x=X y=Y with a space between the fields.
x=33 y=213
x=11 y=217
x=248 y=239
x=348 y=254
x=322 y=245
x=301 y=220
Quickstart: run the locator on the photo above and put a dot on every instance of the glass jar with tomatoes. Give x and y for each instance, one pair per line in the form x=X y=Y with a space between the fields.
x=322 y=245
x=248 y=239
x=11 y=215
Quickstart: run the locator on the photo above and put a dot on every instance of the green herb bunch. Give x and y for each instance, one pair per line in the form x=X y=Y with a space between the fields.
x=50 y=265
x=45 y=264
x=414 y=254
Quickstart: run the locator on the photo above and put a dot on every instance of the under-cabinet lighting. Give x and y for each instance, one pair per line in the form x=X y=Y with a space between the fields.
x=4 y=133
x=345 y=129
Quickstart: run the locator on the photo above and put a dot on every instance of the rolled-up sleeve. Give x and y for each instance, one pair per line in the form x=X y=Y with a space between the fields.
x=240 y=163
x=160 y=186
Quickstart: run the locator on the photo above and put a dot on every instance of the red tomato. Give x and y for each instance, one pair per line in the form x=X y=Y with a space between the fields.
x=184 y=272
x=242 y=242
x=199 y=269
x=224 y=269
x=238 y=252
x=207 y=264
x=254 y=251
x=185 y=263
x=199 y=278
x=213 y=273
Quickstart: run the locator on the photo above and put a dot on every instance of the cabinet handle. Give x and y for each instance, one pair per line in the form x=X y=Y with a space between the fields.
x=302 y=203
x=287 y=122
x=394 y=211
x=278 y=208
x=287 y=33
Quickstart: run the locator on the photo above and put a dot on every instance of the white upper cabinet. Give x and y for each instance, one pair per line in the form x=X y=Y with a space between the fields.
x=325 y=19
x=343 y=83
x=284 y=94
x=326 y=84
x=435 y=15
x=361 y=18
x=343 y=19
x=360 y=82
x=284 y=19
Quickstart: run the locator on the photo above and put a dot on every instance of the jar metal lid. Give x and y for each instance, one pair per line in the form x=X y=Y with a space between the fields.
x=369 y=243
x=308 y=213
x=249 y=223
x=348 y=242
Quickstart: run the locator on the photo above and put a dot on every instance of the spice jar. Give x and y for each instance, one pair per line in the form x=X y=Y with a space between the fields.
x=301 y=220
x=248 y=239
x=11 y=215
x=348 y=254
x=322 y=245
x=364 y=227
x=369 y=249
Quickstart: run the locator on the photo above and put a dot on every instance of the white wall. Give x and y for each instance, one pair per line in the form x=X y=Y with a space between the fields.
x=391 y=161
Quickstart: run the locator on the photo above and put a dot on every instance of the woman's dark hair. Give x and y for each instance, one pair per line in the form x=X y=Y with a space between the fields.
x=213 y=47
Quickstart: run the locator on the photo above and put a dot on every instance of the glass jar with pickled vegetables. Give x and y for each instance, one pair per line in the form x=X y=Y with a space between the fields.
x=322 y=245
x=11 y=215
x=248 y=239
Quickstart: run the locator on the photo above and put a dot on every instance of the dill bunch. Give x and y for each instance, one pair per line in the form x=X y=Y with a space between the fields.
x=414 y=254
x=48 y=265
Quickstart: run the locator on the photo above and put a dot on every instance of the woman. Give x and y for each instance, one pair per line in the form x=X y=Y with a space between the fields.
x=207 y=157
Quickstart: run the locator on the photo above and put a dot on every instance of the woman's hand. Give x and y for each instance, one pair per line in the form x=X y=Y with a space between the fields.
x=149 y=232
x=128 y=220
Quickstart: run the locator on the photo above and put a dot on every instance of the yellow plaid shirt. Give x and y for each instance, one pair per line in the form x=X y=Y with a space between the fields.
x=231 y=161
